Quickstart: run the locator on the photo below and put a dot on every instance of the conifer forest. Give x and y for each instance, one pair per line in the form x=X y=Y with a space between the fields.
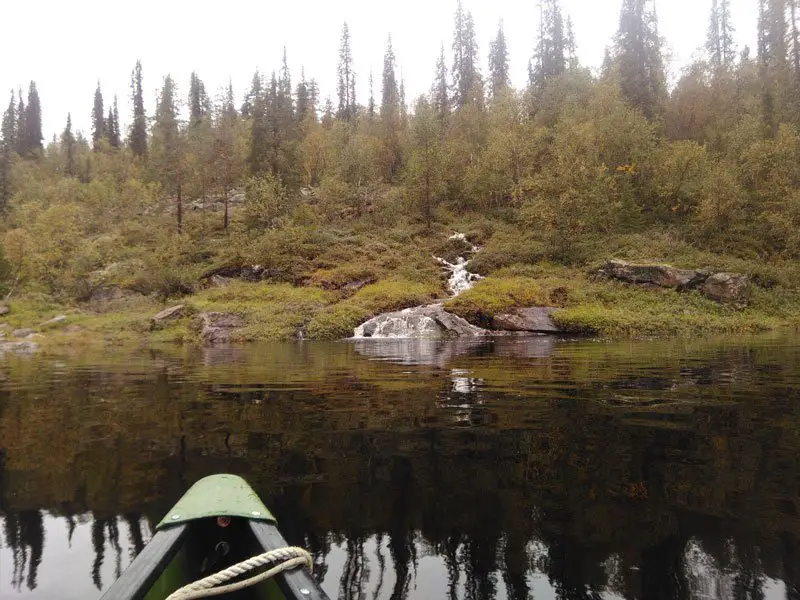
x=340 y=201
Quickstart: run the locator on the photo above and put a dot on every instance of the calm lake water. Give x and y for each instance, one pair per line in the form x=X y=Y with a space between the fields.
x=509 y=468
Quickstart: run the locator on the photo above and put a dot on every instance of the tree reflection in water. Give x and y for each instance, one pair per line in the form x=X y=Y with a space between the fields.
x=479 y=471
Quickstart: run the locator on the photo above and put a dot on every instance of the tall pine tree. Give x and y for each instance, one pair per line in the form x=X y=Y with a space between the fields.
x=440 y=96
x=550 y=59
x=199 y=103
x=20 y=141
x=639 y=59
x=98 y=119
x=138 y=132
x=168 y=146
x=68 y=147
x=255 y=107
x=8 y=145
x=112 y=125
x=466 y=75
x=498 y=63
x=346 y=78
x=390 y=113
x=31 y=133
x=720 y=43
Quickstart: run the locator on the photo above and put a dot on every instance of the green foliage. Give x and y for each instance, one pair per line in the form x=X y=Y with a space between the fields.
x=267 y=202
x=269 y=311
x=574 y=169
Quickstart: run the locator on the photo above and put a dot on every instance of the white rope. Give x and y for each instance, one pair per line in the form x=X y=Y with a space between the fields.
x=291 y=557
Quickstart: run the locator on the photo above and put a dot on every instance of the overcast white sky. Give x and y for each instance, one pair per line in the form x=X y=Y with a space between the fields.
x=67 y=46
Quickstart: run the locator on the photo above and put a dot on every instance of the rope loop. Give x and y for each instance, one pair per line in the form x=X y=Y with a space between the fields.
x=285 y=559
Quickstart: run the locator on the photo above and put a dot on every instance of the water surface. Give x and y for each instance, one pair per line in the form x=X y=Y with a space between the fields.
x=508 y=468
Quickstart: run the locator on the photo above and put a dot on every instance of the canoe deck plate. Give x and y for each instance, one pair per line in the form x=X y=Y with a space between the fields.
x=217 y=496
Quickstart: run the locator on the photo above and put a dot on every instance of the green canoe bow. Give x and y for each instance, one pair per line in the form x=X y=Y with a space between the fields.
x=217 y=496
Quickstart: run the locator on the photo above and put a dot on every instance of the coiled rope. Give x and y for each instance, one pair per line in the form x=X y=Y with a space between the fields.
x=286 y=559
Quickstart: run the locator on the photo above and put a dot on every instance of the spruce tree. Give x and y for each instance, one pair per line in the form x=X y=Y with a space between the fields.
x=572 y=46
x=256 y=109
x=167 y=145
x=390 y=113
x=98 y=119
x=199 y=103
x=112 y=125
x=138 y=131
x=32 y=133
x=68 y=147
x=466 y=76
x=256 y=88
x=116 y=138
x=390 y=94
x=440 y=97
x=346 y=78
x=20 y=145
x=639 y=59
x=371 y=102
x=550 y=59
x=498 y=63
x=795 y=38
x=8 y=144
x=720 y=43
x=303 y=100
x=225 y=158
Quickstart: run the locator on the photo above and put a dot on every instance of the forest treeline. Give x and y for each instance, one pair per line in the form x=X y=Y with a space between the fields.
x=575 y=155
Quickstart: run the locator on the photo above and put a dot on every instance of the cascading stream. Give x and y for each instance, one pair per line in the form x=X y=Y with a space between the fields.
x=429 y=321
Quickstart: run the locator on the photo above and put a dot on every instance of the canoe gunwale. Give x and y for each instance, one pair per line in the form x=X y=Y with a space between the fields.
x=297 y=583
x=136 y=581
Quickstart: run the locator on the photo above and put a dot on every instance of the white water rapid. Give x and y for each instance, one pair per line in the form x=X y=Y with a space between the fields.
x=431 y=321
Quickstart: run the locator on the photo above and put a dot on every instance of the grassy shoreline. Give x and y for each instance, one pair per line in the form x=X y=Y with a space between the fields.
x=280 y=312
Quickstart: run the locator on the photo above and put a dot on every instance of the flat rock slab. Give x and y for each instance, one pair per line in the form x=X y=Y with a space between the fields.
x=726 y=288
x=18 y=347
x=168 y=314
x=534 y=320
x=665 y=276
x=217 y=328
x=54 y=321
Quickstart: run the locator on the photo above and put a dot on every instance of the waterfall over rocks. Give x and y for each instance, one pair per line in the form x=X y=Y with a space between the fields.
x=431 y=321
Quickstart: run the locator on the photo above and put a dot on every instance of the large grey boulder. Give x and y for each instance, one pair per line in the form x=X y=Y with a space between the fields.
x=665 y=276
x=168 y=315
x=728 y=288
x=216 y=327
x=534 y=320
x=422 y=322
